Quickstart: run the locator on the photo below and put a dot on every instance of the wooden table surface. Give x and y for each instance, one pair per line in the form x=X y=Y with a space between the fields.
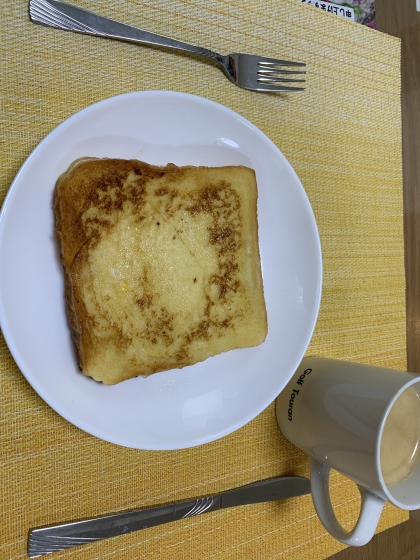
x=400 y=18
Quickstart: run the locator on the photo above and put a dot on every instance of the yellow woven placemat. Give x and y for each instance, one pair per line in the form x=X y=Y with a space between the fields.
x=342 y=136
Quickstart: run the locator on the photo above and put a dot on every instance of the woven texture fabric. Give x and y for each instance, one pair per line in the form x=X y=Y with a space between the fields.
x=343 y=138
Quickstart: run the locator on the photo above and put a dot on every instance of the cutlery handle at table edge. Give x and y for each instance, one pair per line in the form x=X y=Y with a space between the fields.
x=71 y=18
x=69 y=535
x=61 y=537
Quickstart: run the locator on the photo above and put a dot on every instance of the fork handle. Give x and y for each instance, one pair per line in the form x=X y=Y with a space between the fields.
x=71 y=18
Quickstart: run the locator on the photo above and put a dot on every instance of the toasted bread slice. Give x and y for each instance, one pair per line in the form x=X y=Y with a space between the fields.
x=162 y=264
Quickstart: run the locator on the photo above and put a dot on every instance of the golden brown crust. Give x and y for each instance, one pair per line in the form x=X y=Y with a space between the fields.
x=161 y=264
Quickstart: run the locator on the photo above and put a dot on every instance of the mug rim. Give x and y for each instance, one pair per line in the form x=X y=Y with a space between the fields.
x=384 y=486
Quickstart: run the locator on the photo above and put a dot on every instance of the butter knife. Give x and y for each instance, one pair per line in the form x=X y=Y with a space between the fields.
x=61 y=537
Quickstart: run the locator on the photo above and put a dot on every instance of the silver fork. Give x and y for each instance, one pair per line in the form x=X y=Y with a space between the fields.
x=248 y=71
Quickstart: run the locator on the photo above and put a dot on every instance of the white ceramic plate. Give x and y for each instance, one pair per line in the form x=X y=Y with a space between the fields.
x=178 y=408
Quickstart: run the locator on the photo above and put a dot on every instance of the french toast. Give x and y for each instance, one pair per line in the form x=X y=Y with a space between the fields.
x=162 y=265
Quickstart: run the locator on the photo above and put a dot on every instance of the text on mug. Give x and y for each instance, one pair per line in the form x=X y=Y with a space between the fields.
x=296 y=392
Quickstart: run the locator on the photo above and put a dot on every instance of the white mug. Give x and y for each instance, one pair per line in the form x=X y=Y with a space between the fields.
x=363 y=421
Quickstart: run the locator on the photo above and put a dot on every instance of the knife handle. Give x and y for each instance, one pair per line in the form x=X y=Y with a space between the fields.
x=61 y=537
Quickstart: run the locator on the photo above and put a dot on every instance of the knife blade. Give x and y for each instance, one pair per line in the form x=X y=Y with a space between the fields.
x=61 y=537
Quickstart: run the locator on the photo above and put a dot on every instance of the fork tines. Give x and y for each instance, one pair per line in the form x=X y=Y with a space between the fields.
x=272 y=72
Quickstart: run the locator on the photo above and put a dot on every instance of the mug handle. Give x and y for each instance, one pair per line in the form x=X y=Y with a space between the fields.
x=370 y=510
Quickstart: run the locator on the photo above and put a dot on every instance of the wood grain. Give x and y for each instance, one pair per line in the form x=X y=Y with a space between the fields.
x=400 y=18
